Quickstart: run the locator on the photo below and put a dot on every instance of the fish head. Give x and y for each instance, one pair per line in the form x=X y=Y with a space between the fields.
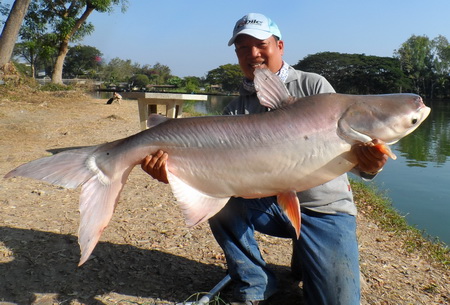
x=387 y=117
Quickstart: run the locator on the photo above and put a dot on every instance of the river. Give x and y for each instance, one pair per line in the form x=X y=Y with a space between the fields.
x=418 y=182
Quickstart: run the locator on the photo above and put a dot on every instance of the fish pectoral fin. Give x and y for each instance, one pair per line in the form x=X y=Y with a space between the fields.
x=196 y=206
x=385 y=149
x=291 y=206
x=271 y=91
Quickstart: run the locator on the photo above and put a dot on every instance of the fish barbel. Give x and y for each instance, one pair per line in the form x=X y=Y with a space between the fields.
x=305 y=142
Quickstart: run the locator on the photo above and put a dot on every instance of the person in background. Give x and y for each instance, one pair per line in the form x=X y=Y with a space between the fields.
x=325 y=257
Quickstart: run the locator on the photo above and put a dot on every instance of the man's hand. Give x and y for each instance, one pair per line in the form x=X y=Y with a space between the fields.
x=370 y=158
x=155 y=166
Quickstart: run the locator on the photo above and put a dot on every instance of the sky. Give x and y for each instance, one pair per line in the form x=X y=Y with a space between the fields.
x=190 y=37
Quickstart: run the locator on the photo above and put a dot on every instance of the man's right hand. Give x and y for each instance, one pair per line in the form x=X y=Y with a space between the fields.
x=155 y=166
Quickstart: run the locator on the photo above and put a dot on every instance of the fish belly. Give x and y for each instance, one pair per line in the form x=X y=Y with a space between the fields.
x=253 y=172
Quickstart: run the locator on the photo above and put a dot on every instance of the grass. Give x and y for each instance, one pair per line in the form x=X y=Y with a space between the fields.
x=55 y=87
x=189 y=109
x=378 y=207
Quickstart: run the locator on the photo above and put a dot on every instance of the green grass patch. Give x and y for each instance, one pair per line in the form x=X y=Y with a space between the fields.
x=378 y=207
x=55 y=87
x=189 y=109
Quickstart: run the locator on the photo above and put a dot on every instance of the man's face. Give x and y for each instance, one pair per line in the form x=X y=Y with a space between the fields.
x=253 y=53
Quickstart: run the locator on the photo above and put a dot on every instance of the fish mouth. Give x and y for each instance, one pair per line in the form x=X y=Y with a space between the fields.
x=365 y=138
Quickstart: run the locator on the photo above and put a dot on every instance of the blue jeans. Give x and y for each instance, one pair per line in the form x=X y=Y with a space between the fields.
x=326 y=253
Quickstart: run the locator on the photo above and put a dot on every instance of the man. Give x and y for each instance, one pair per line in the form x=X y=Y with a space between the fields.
x=326 y=254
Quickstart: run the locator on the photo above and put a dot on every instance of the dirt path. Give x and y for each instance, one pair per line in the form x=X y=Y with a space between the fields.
x=146 y=255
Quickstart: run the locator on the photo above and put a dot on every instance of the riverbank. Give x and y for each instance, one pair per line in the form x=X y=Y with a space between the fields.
x=147 y=255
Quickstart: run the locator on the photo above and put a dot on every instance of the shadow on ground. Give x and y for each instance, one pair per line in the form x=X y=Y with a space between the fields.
x=44 y=262
x=40 y=262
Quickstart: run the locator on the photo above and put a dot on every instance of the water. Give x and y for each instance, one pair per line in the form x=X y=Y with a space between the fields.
x=214 y=105
x=418 y=182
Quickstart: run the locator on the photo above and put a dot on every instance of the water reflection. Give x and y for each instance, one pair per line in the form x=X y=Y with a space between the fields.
x=214 y=105
x=418 y=182
x=431 y=141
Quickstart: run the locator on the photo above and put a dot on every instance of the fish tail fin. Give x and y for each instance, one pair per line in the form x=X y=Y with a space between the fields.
x=99 y=193
x=98 y=201
x=67 y=169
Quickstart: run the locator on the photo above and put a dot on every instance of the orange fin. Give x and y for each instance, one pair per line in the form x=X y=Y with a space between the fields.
x=291 y=206
x=385 y=149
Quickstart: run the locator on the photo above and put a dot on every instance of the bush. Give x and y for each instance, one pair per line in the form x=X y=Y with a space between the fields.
x=55 y=87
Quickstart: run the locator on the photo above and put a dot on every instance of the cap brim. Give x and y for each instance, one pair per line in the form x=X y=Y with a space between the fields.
x=261 y=35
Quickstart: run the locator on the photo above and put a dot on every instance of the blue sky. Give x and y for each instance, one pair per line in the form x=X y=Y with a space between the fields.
x=191 y=36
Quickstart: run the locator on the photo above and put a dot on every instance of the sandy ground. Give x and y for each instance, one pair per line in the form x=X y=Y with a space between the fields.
x=146 y=255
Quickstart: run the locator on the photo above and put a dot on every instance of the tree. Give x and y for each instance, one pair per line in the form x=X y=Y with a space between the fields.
x=356 y=73
x=161 y=74
x=119 y=70
x=229 y=76
x=175 y=81
x=82 y=60
x=11 y=30
x=36 y=46
x=427 y=63
x=38 y=53
x=67 y=19
x=139 y=81
x=191 y=83
x=416 y=60
x=441 y=67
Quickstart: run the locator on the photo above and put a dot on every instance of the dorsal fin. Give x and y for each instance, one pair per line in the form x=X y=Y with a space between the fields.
x=271 y=91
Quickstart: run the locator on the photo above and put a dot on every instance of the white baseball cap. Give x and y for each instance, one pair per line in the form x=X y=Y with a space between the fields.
x=255 y=25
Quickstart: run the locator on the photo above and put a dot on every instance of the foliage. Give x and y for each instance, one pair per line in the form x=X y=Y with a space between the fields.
x=139 y=81
x=229 y=76
x=55 y=87
x=426 y=63
x=420 y=65
x=192 y=83
x=119 y=70
x=4 y=11
x=82 y=61
x=159 y=74
x=65 y=21
x=356 y=73
x=175 y=81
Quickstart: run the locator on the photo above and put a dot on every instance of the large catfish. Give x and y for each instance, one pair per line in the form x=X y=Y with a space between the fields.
x=303 y=143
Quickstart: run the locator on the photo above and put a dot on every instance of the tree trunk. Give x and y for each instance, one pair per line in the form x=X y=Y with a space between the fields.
x=64 y=47
x=58 y=67
x=11 y=30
